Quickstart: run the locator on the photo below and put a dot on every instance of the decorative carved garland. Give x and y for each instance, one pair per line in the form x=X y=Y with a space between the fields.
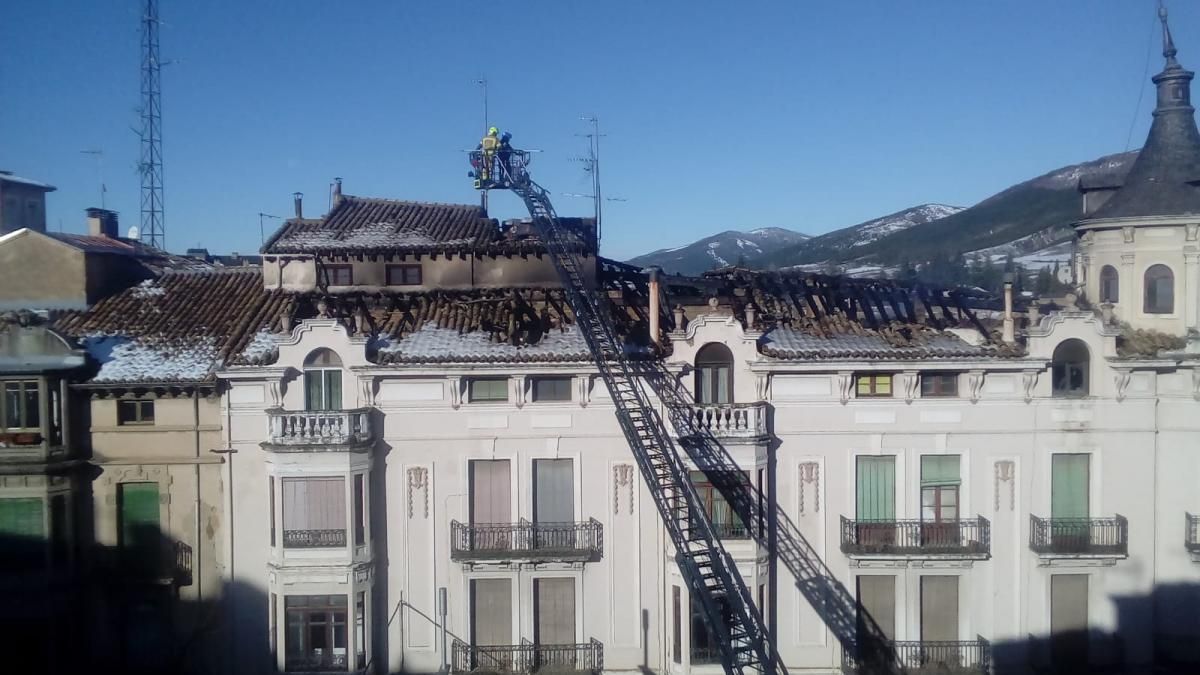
x=1005 y=473
x=622 y=477
x=810 y=474
x=418 y=479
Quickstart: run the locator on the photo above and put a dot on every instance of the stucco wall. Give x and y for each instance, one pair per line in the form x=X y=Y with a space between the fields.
x=25 y=259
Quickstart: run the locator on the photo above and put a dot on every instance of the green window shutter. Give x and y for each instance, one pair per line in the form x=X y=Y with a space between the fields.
x=877 y=488
x=1069 y=486
x=22 y=517
x=139 y=515
x=312 y=390
x=940 y=470
x=333 y=390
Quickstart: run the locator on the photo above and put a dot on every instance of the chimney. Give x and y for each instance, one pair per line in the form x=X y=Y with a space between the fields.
x=654 y=308
x=1106 y=312
x=1034 y=312
x=751 y=313
x=298 y=199
x=1010 y=334
x=102 y=223
x=337 y=191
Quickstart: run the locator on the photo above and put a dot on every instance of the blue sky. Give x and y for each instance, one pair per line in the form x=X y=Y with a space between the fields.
x=809 y=115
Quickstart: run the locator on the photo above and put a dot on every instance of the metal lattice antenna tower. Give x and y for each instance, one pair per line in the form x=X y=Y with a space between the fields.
x=153 y=230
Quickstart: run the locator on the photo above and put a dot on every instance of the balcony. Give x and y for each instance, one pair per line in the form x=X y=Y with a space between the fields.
x=309 y=430
x=170 y=564
x=314 y=539
x=961 y=539
x=587 y=657
x=1079 y=537
x=1191 y=535
x=315 y=661
x=542 y=542
x=959 y=657
x=728 y=421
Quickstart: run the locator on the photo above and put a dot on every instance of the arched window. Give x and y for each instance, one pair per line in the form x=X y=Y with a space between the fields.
x=323 y=381
x=714 y=374
x=1110 y=284
x=1160 y=290
x=1069 y=370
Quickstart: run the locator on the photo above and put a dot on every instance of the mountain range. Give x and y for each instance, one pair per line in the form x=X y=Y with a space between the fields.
x=1030 y=221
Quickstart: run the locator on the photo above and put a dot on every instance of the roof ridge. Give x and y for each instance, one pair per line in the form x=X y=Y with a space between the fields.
x=389 y=200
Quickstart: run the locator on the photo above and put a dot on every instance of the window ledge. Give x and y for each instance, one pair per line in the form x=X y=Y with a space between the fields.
x=1080 y=559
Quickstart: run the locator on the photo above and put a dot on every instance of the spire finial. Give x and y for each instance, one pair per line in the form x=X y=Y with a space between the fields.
x=1168 y=43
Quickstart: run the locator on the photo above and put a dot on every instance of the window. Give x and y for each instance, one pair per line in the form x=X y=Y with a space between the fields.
x=554 y=612
x=22 y=405
x=551 y=389
x=875 y=500
x=877 y=603
x=1160 y=290
x=939 y=615
x=339 y=275
x=873 y=386
x=271 y=505
x=487 y=390
x=714 y=374
x=1110 y=284
x=704 y=644
x=726 y=523
x=491 y=614
x=138 y=411
x=360 y=519
x=676 y=627
x=140 y=534
x=22 y=521
x=939 y=496
x=314 y=512
x=1070 y=503
x=934 y=385
x=491 y=503
x=1069 y=369
x=273 y=620
x=1069 y=620
x=403 y=275
x=323 y=381
x=360 y=630
x=316 y=632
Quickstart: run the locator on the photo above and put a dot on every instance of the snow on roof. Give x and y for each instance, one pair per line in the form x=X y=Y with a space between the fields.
x=125 y=360
x=6 y=177
x=431 y=344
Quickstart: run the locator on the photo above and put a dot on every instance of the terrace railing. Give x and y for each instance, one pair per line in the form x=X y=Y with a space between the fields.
x=1079 y=536
x=965 y=538
x=314 y=538
x=314 y=428
x=579 y=541
x=956 y=657
x=527 y=657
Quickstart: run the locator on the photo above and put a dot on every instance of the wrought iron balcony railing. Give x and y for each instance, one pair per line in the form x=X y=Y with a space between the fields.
x=315 y=661
x=729 y=420
x=1079 y=536
x=915 y=538
x=704 y=656
x=527 y=658
x=163 y=562
x=1191 y=535
x=313 y=428
x=524 y=540
x=314 y=538
x=958 y=657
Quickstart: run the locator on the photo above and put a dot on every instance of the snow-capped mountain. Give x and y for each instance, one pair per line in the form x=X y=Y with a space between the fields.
x=731 y=247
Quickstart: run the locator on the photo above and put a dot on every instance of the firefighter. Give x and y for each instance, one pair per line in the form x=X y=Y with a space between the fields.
x=504 y=154
x=489 y=145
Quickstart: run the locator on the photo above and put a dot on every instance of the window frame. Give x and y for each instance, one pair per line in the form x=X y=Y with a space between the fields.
x=938 y=390
x=333 y=269
x=22 y=387
x=1151 y=302
x=139 y=417
x=303 y=616
x=403 y=270
x=473 y=398
x=713 y=360
x=1110 y=284
x=565 y=380
x=711 y=496
x=1067 y=368
x=873 y=389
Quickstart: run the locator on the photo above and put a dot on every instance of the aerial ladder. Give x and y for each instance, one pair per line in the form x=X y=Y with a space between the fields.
x=712 y=578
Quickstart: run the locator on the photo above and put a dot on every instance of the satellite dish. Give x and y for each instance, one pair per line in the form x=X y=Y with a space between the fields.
x=134 y=233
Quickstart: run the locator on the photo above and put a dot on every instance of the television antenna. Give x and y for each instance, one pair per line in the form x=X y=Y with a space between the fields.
x=262 y=233
x=98 y=155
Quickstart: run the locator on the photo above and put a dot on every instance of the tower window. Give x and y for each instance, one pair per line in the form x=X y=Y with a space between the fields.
x=1070 y=369
x=1160 y=290
x=1110 y=284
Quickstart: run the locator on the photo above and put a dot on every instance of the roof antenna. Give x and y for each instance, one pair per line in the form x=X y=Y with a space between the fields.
x=1168 y=43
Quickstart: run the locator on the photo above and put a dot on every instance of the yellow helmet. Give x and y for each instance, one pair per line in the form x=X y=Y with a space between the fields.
x=493 y=131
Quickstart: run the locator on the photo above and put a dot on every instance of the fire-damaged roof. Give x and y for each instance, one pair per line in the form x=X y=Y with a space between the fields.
x=361 y=225
x=153 y=259
x=178 y=328
x=184 y=326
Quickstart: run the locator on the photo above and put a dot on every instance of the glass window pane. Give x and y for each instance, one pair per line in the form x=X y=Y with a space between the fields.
x=33 y=408
x=313 y=390
x=333 y=390
x=883 y=385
